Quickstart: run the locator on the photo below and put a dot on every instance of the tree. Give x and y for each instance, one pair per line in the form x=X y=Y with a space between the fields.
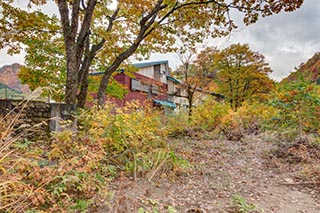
x=242 y=74
x=195 y=74
x=105 y=33
x=48 y=70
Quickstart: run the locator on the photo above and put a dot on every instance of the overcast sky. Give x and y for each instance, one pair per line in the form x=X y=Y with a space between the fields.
x=286 y=39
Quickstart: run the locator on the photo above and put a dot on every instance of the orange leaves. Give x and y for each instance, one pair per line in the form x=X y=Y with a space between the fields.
x=51 y=176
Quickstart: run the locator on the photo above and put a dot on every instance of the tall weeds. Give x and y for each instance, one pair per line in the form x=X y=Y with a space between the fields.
x=12 y=189
x=71 y=170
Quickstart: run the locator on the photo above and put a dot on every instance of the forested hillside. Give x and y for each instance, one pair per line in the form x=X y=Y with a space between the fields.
x=9 y=77
x=7 y=92
x=310 y=70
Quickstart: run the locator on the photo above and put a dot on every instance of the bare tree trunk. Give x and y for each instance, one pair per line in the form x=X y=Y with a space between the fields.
x=74 y=40
x=82 y=96
x=72 y=81
x=103 y=86
x=190 y=102
x=84 y=71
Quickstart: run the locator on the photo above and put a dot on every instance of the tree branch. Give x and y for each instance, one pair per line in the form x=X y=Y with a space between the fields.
x=87 y=19
x=112 y=18
x=64 y=17
x=74 y=18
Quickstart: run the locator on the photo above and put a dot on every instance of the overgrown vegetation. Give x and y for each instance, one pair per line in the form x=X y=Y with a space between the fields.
x=299 y=104
x=71 y=171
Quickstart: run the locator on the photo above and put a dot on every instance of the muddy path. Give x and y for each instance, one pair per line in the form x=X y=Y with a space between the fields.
x=226 y=176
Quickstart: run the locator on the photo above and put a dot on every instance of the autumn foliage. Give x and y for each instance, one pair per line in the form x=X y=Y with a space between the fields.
x=242 y=74
x=91 y=34
x=71 y=171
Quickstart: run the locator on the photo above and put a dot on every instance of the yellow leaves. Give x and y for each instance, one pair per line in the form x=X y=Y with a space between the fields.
x=132 y=128
x=137 y=7
x=17 y=25
x=242 y=74
x=209 y=115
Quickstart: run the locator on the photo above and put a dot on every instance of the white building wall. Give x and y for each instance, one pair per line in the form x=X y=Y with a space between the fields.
x=164 y=72
x=147 y=71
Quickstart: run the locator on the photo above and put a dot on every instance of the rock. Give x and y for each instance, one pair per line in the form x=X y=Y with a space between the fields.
x=289 y=181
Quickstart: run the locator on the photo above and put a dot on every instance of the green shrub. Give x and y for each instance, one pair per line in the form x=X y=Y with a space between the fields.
x=248 y=119
x=299 y=105
x=177 y=124
x=255 y=117
x=208 y=115
x=124 y=132
x=134 y=138
x=241 y=205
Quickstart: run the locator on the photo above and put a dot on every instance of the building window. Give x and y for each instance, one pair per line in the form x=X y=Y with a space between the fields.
x=157 y=74
x=155 y=89
x=136 y=85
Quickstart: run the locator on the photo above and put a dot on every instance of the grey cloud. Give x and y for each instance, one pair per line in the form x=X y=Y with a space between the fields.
x=286 y=39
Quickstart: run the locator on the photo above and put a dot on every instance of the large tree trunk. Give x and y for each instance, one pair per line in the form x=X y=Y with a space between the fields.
x=74 y=40
x=84 y=71
x=82 y=96
x=103 y=86
x=72 y=81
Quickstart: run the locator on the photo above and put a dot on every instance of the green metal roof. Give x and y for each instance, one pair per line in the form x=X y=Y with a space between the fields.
x=137 y=65
x=173 y=79
x=150 y=63
x=165 y=103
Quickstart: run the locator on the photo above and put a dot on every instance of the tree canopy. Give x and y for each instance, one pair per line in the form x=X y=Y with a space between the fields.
x=102 y=34
x=242 y=74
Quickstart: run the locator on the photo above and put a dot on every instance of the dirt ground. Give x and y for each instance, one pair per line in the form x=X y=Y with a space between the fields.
x=222 y=171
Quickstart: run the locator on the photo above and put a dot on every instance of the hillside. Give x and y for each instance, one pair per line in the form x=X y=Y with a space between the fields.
x=310 y=70
x=8 y=77
x=7 y=92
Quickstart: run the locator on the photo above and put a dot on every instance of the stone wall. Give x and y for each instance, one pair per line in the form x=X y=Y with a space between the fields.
x=37 y=117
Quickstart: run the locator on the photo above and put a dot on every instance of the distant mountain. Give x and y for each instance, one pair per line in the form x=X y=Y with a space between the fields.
x=310 y=70
x=7 y=92
x=9 y=77
x=4 y=86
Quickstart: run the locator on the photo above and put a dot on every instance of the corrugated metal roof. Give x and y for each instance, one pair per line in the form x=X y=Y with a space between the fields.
x=101 y=73
x=150 y=63
x=96 y=73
